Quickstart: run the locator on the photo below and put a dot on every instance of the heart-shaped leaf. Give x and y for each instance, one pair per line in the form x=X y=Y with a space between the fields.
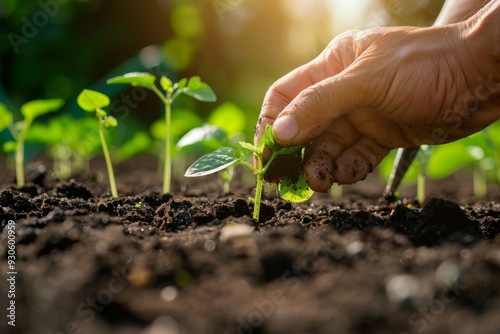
x=91 y=100
x=6 y=117
x=138 y=79
x=36 y=108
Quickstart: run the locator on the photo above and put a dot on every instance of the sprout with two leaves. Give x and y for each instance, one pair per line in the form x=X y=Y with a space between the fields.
x=193 y=87
x=92 y=101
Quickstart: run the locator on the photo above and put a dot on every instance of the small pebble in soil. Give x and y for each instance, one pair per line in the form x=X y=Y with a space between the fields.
x=168 y=293
x=354 y=248
x=402 y=288
x=233 y=231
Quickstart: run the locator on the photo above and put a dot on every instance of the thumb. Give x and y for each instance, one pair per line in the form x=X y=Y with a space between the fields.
x=311 y=112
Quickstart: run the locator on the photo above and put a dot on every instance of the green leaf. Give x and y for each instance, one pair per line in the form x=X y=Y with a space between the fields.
x=248 y=146
x=228 y=111
x=181 y=84
x=6 y=117
x=109 y=122
x=36 y=108
x=268 y=139
x=9 y=146
x=200 y=90
x=91 y=100
x=137 y=79
x=205 y=133
x=295 y=192
x=166 y=84
x=447 y=159
x=213 y=162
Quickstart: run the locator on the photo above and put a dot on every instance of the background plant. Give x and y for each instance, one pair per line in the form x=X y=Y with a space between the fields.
x=20 y=129
x=193 y=87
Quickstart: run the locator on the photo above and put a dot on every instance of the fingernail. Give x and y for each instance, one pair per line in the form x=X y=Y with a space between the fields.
x=285 y=128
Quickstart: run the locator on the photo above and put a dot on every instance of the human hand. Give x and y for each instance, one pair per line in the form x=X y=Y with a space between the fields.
x=371 y=91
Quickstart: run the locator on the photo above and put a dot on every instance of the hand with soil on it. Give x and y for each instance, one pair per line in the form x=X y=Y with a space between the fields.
x=384 y=88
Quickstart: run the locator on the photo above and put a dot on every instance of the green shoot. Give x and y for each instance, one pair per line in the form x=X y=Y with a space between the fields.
x=227 y=156
x=169 y=91
x=20 y=129
x=92 y=101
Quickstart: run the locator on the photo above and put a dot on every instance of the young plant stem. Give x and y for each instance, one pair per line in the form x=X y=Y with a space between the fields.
x=258 y=190
x=480 y=185
x=20 y=163
x=421 y=188
x=19 y=158
x=167 y=169
x=107 y=157
x=167 y=173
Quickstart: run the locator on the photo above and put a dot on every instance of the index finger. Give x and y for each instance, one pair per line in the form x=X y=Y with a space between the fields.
x=283 y=91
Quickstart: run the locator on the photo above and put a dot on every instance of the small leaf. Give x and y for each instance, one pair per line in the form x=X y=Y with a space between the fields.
x=200 y=90
x=295 y=192
x=101 y=113
x=166 y=84
x=91 y=100
x=36 y=108
x=6 y=117
x=140 y=79
x=268 y=139
x=109 y=122
x=181 y=84
x=9 y=146
x=248 y=146
x=202 y=134
x=213 y=162
x=288 y=150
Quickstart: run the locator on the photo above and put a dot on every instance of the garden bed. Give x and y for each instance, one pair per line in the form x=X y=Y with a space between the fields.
x=195 y=262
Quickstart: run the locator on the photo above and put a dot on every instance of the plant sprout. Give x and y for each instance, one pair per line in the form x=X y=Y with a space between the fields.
x=92 y=101
x=290 y=189
x=193 y=87
x=20 y=129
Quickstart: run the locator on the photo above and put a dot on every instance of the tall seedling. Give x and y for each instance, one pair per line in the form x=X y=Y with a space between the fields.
x=92 y=101
x=169 y=91
x=20 y=129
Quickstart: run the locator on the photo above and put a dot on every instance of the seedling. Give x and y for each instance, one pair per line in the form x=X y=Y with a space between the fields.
x=291 y=190
x=92 y=101
x=193 y=87
x=71 y=142
x=20 y=129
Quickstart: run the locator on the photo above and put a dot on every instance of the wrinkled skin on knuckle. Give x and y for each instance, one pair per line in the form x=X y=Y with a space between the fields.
x=319 y=171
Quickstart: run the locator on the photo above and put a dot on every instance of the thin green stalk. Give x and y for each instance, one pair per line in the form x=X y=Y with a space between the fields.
x=480 y=184
x=20 y=137
x=167 y=173
x=111 y=174
x=20 y=163
x=258 y=191
x=421 y=188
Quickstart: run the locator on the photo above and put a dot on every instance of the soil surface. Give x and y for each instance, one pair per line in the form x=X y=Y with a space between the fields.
x=195 y=262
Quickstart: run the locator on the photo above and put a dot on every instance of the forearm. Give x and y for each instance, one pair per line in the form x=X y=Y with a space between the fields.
x=454 y=11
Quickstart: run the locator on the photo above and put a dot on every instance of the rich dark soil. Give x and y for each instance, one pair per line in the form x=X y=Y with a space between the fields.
x=195 y=262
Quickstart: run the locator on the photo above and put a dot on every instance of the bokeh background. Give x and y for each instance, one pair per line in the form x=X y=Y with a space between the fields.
x=56 y=48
